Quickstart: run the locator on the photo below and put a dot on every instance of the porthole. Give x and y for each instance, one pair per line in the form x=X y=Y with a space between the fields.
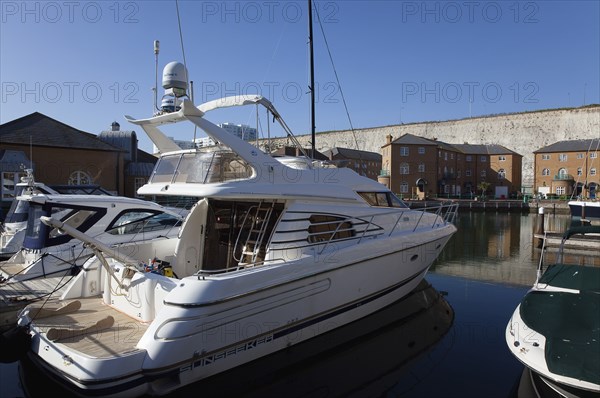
x=414 y=257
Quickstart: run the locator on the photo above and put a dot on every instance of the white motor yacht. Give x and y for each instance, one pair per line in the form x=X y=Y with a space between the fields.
x=272 y=254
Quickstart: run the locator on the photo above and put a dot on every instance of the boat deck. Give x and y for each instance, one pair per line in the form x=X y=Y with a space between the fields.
x=15 y=296
x=80 y=334
x=571 y=326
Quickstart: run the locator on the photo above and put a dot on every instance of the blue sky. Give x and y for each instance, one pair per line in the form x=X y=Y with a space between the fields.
x=89 y=63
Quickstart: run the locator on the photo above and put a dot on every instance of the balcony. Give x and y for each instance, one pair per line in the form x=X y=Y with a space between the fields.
x=563 y=177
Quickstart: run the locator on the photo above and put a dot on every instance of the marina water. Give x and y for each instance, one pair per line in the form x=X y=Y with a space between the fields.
x=481 y=275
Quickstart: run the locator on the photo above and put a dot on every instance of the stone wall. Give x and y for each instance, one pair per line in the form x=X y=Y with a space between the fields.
x=520 y=132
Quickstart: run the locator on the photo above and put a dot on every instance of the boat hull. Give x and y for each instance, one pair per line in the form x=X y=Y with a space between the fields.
x=187 y=343
x=587 y=210
x=529 y=346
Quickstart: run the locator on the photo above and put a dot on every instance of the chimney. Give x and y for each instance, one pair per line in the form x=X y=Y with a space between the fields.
x=115 y=126
x=388 y=139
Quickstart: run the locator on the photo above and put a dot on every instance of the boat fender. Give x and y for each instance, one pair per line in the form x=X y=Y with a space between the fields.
x=14 y=344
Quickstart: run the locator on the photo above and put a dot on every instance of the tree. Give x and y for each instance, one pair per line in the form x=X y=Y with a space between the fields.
x=484 y=187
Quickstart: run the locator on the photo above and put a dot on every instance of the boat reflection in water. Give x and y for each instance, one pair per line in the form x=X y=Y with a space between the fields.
x=365 y=358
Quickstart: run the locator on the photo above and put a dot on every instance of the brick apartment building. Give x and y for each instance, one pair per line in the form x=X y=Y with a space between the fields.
x=418 y=167
x=568 y=168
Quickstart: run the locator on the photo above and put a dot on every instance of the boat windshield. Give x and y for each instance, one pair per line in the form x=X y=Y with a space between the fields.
x=382 y=199
x=38 y=235
x=200 y=168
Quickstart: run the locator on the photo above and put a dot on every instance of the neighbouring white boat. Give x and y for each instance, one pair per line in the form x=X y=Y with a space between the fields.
x=136 y=228
x=15 y=222
x=555 y=329
x=273 y=253
x=585 y=209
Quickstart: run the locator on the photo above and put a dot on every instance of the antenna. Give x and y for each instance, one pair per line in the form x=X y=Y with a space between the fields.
x=156 y=51
x=192 y=98
x=312 y=79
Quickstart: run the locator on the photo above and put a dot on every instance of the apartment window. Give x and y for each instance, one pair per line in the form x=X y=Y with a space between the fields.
x=580 y=156
x=445 y=155
x=502 y=158
x=422 y=167
x=439 y=154
x=546 y=172
x=468 y=172
x=562 y=157
x=501 y=174
x=483 y=159
x=483 y=173
x=546 y=157
x=593 y=155
x=579 y=171
x=593 y=171
x=403 y=151
x=451 y=156
x=421 y=150
x=404 y=187
x=560 y=190
x=404 y=168
x=446 y=188
x=468 y=158
x=562 y=172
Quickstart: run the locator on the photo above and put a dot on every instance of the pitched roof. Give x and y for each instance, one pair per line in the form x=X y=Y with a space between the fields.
x=466 y=148
x=481 y=149
x=592 y=145
x=348 y=153
x=410 y=139
x=42 y=130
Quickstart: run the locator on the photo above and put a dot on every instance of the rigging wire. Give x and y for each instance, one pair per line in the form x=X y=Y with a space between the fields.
x=181 y=42
x=187 y=77
x=336 y=77
x=267 y=71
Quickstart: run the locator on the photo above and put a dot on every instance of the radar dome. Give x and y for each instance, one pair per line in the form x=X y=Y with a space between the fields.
x=174 y=76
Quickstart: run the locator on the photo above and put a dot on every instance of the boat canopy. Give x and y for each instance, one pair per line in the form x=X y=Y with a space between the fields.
x=200 y=168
